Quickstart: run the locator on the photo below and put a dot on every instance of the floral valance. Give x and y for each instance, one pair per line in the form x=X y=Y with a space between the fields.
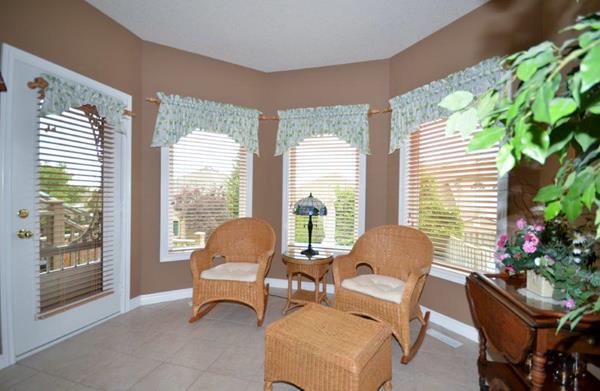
x=348 y=123
x=179 y=116
x=63 y=94
x=420 y=105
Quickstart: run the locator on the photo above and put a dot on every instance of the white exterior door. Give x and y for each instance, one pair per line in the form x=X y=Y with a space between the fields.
x=64 y=210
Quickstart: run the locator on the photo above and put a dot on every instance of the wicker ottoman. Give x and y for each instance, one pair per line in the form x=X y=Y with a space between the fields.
x=322 y=349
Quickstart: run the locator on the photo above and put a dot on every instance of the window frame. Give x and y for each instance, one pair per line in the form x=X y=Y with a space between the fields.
x=439 y=270
x=165 y=256
x=362 y=171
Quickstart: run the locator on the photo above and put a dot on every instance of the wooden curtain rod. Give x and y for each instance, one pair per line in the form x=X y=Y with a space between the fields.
x=156 y=101
x=41 y=84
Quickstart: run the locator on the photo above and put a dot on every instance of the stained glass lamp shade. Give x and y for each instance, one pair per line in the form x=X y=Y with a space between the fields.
x=310 y=206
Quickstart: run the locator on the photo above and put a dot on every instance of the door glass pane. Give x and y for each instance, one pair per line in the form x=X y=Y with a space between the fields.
x=75 y=171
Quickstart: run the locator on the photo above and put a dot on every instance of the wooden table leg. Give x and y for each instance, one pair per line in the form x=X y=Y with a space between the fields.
x=538 y=370
x=317 y=289
x=482 y=359
x=289 y=300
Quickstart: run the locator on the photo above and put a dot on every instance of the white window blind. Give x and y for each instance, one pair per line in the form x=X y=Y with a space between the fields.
x=207 y=185
x=452 y=196
x=329 y=168
x=75 y=209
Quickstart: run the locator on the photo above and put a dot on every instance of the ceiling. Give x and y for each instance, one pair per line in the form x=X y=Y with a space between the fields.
x=278 y=35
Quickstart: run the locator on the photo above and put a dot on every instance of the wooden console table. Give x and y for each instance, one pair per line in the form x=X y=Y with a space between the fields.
x=522 y=329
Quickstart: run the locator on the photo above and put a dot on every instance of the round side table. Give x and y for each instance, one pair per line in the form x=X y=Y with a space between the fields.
x=315 y=268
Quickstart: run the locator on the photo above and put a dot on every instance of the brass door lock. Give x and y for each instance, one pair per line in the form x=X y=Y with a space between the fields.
x=24 y=234
x=23 y=213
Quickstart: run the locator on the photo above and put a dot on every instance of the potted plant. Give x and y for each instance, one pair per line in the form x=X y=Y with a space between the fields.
x=553 y=111
x=558 y=258
x=523 y=251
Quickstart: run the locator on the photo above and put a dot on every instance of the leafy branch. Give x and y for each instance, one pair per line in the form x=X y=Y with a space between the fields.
x=553 y=111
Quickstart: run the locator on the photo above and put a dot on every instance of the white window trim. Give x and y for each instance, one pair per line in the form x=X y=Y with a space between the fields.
x=362 y=196
x=440 y=271
x=164 y=205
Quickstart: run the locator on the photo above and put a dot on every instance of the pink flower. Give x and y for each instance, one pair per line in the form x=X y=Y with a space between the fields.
x=531 y=238
x=569 y=304
x=521 y=223
x=502 y=257
x=529 y=247
x=502 y=240
x=538 y=227
x=510 y=269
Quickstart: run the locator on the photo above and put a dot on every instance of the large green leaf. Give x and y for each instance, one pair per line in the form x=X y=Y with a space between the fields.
x=575 y=88
x=526 y=69
x=486 y=138
x=541 y=104
x=505 y=161
x=582 y=181
x=588 y=196
x=458 y=100
x=560 y=138
x=548 y=193
x=561 y=107
x=535 y=142
x=572 y=208
x=468 y=122
x=585 y=139
x=551 y=210
x=588 y=37
x=594 y=108
x=590 y=69
x=486 y=104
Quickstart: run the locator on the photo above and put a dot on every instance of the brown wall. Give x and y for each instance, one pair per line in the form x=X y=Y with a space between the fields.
x=176 y=72
x=96 y=46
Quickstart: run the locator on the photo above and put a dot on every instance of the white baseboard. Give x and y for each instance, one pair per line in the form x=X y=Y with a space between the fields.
x=161 y=297
x=438 y=318
x=452 y=324
x=5 y=361
x=134 y=303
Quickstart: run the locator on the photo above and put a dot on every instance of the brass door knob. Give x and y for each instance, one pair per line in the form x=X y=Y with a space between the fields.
x=23 y=213
x=24 y=234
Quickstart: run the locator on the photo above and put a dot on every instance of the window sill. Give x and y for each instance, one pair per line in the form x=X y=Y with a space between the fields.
x=448 y=274
x=176 y=257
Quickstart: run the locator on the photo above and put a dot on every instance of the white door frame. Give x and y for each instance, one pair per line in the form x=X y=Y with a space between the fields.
x=8 y=57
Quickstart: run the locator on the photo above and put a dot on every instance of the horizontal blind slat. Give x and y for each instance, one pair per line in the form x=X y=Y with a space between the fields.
x=452 y=195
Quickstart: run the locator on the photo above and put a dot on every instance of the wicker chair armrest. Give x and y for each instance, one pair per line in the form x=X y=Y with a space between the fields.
x=200 y=260
x=411 y=293
x=344 y=266
x=264 y=263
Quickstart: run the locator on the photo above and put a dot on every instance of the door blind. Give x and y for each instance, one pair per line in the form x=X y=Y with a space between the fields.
x=452 y=196
x=207 y=187
x=328 y=168
x=75 y=209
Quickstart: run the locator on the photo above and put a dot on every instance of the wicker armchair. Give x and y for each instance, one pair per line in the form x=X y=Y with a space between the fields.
x=400 y=258
x=247 y=246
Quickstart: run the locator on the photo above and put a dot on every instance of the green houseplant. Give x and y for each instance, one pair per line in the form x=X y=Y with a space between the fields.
x=553 y=111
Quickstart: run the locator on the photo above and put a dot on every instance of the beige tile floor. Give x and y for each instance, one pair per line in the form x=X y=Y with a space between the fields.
x=154 y=348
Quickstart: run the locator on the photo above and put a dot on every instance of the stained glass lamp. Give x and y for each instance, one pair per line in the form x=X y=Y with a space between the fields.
x=310 y=206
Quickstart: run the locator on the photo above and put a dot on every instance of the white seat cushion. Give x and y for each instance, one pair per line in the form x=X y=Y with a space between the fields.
x=375 y=285
x=232 y=271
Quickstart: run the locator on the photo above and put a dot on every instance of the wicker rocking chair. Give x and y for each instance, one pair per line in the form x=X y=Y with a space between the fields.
x=247 y=246
x=400 y=258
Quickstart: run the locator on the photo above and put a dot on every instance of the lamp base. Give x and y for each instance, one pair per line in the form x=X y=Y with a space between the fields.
x=309 y=252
